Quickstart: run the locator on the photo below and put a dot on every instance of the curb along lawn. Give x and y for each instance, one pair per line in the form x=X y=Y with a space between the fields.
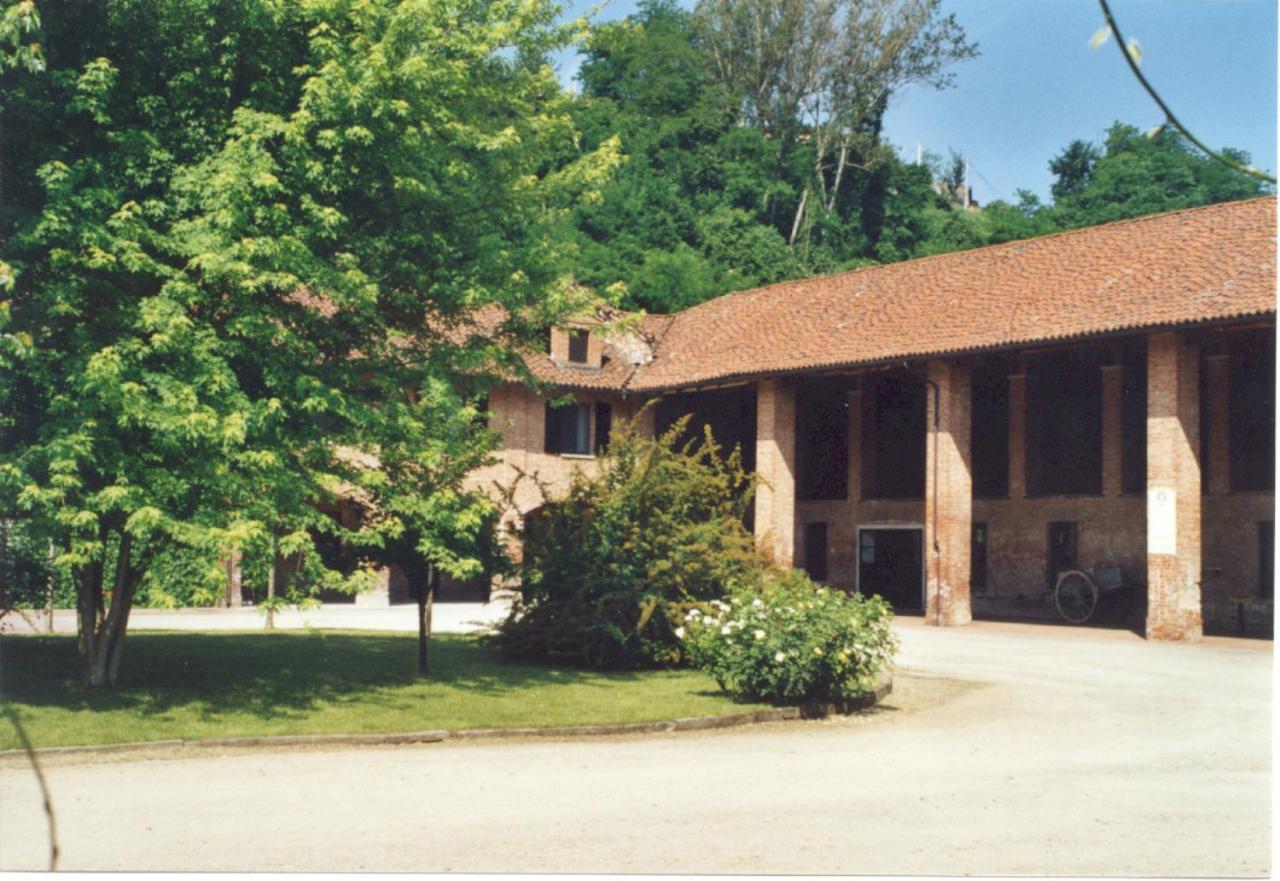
x=189 y=686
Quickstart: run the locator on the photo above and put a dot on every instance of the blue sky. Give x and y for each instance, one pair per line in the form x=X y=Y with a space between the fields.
x=1038 y=85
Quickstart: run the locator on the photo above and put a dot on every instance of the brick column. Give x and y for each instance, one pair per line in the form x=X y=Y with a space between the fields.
x=1018 y=435
x=948 y=494
x=776 y=464
x=1112 y=392
x=380 y=596
x=855 y=445
x=1218 y=388
x=1173 y=489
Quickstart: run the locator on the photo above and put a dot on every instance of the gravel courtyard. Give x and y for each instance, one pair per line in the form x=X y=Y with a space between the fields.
x=1005 y=749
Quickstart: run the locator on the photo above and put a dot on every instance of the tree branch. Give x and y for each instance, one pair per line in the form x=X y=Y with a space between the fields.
x=1168 y=114
x=16 y=721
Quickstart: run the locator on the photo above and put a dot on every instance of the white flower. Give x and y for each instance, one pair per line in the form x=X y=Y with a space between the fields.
x=679 y=633
x=817 y=650
x=757 y=602
x=724 y=631
x=780 y=657
x=759 y=634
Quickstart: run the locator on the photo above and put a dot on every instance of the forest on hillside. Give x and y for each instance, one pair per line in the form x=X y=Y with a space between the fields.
x=756 y=154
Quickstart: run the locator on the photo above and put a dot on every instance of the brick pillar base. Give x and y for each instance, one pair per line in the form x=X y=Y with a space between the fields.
x=775 y=500
x=948 y=522
x=1173 y=489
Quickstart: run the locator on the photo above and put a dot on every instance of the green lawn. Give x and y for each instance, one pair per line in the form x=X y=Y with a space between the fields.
x=194 y=685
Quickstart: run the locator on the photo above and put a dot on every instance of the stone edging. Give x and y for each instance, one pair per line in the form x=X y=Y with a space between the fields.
x=689 y=723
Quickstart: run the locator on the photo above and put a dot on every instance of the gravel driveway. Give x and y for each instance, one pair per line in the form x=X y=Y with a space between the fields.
x=1005 y=749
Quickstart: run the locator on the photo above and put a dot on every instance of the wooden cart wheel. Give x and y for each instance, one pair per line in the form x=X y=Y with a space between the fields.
x=1076 y=596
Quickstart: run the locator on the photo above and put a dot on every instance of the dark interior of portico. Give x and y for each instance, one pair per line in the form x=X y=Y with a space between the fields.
x=1058 y=462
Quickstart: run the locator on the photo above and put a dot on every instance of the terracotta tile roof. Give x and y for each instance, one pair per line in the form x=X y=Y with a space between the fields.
x=1181 y=268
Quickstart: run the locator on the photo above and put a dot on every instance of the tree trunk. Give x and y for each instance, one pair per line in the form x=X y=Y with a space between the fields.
x=106 y=643
x=426 y=600
x=88 y=579
x=48 y=595
x=271 y=587
x=795 y=224
x=835 y=186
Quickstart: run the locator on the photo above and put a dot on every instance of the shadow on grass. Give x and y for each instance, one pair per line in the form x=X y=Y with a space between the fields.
x=269 y=676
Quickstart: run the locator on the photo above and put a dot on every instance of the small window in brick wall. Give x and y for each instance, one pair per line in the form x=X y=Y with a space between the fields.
x=568 y=429
x=604 y=424
x=978 y=559
x=578 y=347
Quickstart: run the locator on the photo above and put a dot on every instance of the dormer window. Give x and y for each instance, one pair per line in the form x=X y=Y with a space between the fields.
x=578 y=347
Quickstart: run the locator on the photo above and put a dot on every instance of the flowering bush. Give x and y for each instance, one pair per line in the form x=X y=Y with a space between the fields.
x=792 y=641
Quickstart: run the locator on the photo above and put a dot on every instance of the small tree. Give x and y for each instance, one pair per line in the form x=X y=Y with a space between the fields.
x=608 y=568
x=421 y=514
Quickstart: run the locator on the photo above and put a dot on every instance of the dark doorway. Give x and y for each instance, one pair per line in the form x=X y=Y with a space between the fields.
x=1063 y=539
x=891 y=564
x=815 y=550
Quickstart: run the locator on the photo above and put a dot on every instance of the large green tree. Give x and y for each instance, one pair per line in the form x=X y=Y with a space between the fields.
x=1135 y=173
x=243 y=237
x=708 y=198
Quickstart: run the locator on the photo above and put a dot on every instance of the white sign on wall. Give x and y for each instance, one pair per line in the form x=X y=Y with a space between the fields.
x=1162 y=520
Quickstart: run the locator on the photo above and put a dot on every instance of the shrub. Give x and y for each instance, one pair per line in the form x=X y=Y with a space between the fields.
x=609 y=570
x=792 y=642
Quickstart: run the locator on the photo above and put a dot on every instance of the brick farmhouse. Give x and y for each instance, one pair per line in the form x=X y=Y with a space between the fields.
x=951 y=432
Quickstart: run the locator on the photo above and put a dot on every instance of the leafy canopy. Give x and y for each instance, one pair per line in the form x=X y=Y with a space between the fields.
x=247 y=236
